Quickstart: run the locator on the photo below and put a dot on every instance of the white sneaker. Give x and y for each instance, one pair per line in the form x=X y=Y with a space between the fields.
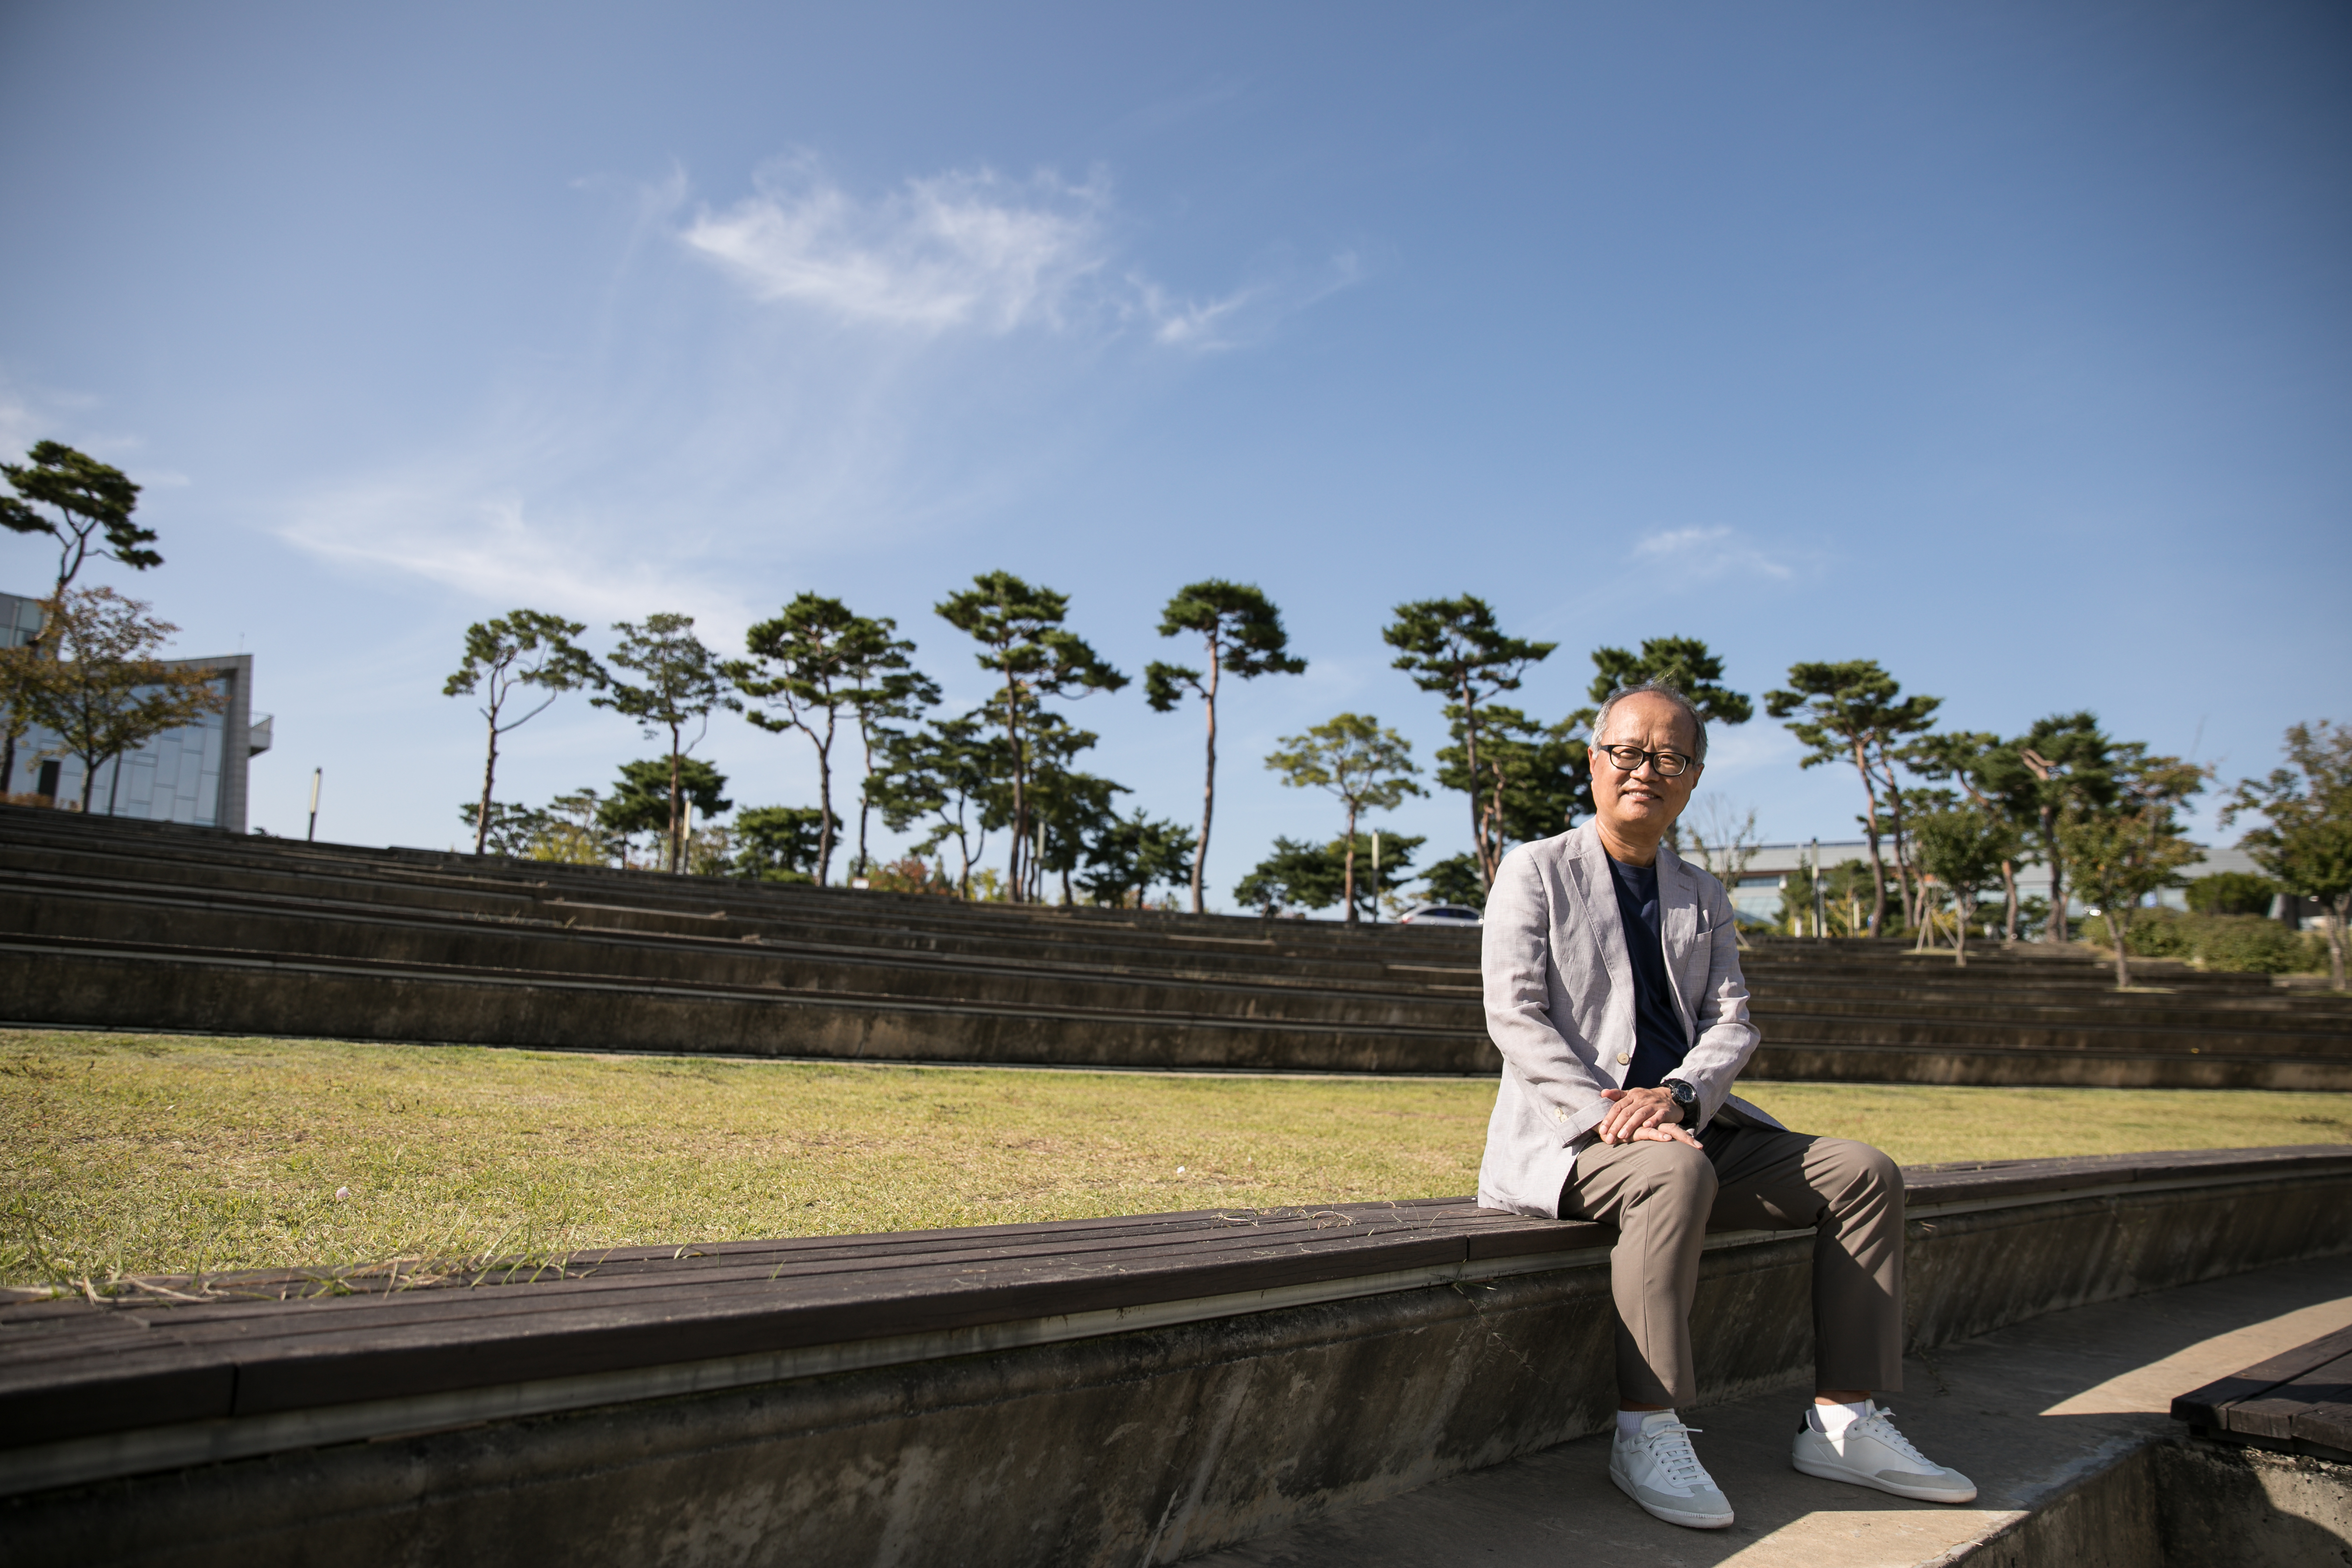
x=1872 y=1453
x=1658 y=1470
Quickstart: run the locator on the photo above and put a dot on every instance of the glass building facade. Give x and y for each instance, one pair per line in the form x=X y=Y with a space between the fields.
x=195 y=774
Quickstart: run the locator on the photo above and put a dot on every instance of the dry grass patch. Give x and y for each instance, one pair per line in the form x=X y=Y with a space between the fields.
x=177 y=1155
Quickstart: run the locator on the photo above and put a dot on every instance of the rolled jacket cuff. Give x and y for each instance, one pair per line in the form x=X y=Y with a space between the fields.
x=1575 y=1124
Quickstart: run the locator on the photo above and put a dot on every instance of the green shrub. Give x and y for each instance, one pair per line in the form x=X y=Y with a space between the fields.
x=2233 y=893
x=2155 y=933
x=2247 y=944
x=2253 y=945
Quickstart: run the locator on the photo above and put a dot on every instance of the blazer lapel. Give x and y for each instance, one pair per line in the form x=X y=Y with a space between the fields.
x=1592 y=884
x=1678 y=929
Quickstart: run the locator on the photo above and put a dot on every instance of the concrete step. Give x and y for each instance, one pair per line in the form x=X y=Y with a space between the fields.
x=2054 y=1419
x=708 y=958
x=830 y=919
x=1884 y=996
x=146 y=924
x=704 y=956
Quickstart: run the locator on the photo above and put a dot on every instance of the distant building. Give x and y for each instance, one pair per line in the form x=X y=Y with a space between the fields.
x=195 y=774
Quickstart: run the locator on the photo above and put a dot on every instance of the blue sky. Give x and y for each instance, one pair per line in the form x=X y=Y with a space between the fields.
x=2008 y=344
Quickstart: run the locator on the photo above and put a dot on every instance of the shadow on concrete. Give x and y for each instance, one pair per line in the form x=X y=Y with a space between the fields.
x=1980 y=1405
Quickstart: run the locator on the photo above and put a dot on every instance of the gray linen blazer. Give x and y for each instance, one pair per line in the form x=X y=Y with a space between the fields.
x=1559 y=1006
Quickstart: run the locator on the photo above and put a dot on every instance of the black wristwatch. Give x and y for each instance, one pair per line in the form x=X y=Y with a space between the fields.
x=1685 y=1095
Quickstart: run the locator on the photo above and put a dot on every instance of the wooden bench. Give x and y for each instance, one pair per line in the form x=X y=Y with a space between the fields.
x=2297 y=1402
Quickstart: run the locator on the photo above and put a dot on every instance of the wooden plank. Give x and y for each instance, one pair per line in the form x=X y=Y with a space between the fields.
x=877 y=1272
x=2327 y=1423
x=889 y=1250
x=1128 y=1245
x=1534 y=1238
x=1176 y=1271
x=336 y=1369
x=878 y=1302
x=81 y=1398
x=2022 y=1178
x=2275 y=1412
x=2207 y=1407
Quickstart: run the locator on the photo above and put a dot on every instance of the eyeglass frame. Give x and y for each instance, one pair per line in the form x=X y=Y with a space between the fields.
x=1654 y=759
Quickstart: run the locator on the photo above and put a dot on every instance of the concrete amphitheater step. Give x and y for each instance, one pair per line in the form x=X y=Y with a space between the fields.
x=660 y=960
x=145 y=925
x=784 y=914
x=55 y=902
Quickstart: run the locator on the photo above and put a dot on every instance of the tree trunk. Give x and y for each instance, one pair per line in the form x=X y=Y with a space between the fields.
x=2009 y=909
x=863 y=868
x=1470 y=768
x=2119 y=934
x=1348 y=877
x=677 y=845
x=1209 y=787
x=1963 y=907
x=490 y=772
x=825 y=802
x=2054 y=928
x=89 y=783
x=1015 y=869
x=1493 y=821
x=1869 y=831
x=1911 y=900
x=2336 y=939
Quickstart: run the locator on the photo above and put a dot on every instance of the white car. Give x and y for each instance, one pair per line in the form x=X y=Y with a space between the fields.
x=1441 y=915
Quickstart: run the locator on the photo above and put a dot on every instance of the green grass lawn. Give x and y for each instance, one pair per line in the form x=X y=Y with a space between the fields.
x=128 y=1154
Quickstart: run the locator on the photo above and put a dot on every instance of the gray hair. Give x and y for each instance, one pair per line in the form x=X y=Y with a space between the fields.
x=1654 y=688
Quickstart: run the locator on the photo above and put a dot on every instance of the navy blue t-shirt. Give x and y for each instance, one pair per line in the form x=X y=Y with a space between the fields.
x=1659 y=1044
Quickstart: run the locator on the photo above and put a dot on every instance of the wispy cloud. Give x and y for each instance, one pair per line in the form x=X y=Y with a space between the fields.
x=490 y=551
x=971 y=250
x=701 y=469
x=958 y=249
x=1705 y=553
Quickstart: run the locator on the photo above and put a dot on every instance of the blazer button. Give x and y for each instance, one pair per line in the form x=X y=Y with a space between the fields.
x=1624 y=1056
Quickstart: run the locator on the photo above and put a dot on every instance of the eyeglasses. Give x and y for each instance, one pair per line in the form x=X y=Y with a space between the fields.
x=1629 y=759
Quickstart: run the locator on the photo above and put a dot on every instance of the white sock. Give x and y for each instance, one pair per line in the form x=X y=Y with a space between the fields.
x=1829 y=1420
x=1629 y=1422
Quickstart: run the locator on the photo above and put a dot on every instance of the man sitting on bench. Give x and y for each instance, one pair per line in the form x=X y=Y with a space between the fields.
x=1613 y=991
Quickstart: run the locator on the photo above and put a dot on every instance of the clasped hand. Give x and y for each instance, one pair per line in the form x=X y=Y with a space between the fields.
x=1643 y=1116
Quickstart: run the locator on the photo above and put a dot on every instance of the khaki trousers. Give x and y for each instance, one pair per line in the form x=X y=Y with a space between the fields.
x=1664 y=1197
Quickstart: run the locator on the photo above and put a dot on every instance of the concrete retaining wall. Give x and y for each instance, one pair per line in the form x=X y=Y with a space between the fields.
x=1089 y=1445
x=2183 y=1503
